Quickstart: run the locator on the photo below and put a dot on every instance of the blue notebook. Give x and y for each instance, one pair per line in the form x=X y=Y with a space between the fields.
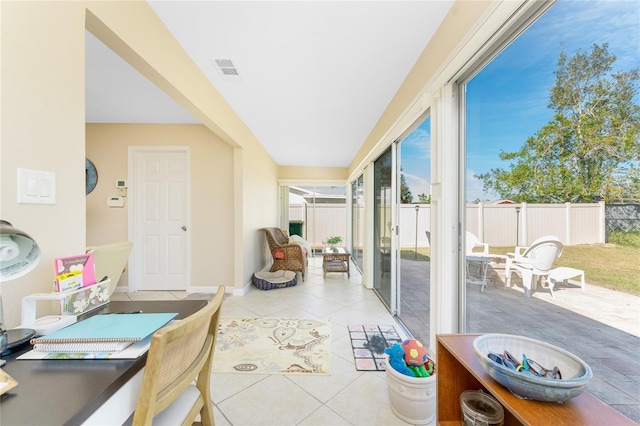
x=103 y=333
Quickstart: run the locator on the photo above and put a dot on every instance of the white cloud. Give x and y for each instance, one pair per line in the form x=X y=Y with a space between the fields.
x=418 y=142
x=475 y=190
x=417 y=185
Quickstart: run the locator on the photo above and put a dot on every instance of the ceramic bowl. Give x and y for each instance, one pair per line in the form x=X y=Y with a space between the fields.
x=575 y=372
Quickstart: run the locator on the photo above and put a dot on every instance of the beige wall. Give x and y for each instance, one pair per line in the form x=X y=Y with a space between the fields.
x=43 y=128
x=156 y=54
x=211 y=220
x=313 y=173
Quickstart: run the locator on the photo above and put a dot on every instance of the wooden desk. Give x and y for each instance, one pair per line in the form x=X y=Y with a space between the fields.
x=335 y=259
x=67 y=392
x=460 y=370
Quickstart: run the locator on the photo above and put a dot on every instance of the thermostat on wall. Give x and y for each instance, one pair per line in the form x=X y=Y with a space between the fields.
x=115 y=201
x=121 y=184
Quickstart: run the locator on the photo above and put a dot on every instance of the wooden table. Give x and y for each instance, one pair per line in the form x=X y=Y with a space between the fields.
x=335 y=259
x=460 y=370
x=68 y=392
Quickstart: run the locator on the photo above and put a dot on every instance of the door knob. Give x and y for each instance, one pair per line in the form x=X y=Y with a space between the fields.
x=184 y=228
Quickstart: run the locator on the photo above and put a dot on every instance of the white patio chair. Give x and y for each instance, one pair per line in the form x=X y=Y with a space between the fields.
x=535 y=261
x=472 y=242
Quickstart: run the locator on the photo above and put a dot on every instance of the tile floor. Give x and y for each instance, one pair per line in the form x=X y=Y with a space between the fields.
x=346 y=397
x=352 y=397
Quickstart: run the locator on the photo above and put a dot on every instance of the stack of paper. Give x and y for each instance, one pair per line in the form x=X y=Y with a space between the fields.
x=100 y=336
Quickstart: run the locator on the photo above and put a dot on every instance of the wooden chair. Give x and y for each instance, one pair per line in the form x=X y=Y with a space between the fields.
x=286 y=256
x=179 y=354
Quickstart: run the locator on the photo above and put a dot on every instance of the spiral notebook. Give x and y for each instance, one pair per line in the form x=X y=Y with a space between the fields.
x=102 y=333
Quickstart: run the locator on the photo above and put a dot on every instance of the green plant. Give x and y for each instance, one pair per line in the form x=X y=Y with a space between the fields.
x=628 y=239
x=333 y=240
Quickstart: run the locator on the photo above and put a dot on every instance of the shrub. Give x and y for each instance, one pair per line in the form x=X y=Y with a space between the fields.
x=628 y=239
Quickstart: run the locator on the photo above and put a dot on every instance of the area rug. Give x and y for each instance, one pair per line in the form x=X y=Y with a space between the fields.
x=273 y=346
x=369 y=342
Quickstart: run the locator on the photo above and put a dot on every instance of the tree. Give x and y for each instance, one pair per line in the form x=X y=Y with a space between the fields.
x=405 y=193
x=424 y=199
x=590 y=149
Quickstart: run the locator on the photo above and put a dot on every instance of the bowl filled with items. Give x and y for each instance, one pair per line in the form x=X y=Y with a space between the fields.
x=532 y=369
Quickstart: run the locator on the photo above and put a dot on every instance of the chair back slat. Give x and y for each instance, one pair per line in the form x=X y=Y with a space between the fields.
x=181 y=355
x=544 y=254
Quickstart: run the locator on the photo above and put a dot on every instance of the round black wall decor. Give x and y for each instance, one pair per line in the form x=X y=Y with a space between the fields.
x=91 y=175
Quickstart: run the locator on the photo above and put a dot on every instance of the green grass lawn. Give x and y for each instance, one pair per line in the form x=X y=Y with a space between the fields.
x=615 y=265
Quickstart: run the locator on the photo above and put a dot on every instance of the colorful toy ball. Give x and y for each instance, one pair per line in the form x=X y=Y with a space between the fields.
x=415 y=353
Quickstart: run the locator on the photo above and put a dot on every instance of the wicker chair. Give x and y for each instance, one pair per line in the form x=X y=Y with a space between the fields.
x=286 y=257
x=179 y=354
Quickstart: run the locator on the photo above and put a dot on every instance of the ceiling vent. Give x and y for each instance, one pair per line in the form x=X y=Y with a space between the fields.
x=226 y=67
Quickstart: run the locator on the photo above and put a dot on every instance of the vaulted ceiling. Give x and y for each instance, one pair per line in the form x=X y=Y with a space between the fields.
x=309 y=78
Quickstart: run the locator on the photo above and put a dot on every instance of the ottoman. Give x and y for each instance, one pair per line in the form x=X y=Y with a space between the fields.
x=277 y=279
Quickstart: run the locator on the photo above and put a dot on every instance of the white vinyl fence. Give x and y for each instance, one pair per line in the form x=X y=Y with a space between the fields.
x=495 y=224
x=320 y=221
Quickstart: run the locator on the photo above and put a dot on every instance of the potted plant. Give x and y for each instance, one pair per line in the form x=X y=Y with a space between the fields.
x=333 y=241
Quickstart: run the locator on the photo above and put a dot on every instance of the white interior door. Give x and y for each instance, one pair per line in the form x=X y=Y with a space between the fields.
x=160 y=201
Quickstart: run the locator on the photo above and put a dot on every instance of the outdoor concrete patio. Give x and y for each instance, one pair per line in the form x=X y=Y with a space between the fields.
x=600 y=326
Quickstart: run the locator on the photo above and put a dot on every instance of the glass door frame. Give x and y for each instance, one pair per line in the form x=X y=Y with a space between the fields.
x=391 y=300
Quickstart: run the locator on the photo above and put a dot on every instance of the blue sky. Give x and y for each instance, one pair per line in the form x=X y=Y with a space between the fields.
x=507 y=100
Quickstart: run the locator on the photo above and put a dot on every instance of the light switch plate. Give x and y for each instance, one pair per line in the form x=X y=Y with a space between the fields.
x=36 y=187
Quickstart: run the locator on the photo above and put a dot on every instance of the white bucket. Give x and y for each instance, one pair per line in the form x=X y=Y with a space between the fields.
x=413 y=399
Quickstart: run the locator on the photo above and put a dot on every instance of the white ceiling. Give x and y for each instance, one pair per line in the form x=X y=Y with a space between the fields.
x=314 y=76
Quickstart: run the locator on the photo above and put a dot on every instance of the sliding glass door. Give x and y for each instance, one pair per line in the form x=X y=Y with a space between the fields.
x=357 y=222
x=383 y=228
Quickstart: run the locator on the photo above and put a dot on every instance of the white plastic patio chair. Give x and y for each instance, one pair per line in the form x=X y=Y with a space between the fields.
x=535 y=262
x=472 y=242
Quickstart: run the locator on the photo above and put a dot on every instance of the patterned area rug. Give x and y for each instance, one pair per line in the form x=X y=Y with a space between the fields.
x=369 y=342
x=273 y=346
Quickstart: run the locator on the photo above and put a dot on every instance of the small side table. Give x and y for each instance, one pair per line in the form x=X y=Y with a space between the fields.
x=335 y=259
x=484 y=264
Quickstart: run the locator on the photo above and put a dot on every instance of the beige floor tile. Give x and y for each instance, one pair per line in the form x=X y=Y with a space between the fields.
x=273 y=401
x=231 y=309
x=219 y=418
x=342 y=348
x=321 y=307
x=120 y=297
x=224 y=386
x=338 y=331
x=323 y=416
x=266 y=306
x=296 y=312
x=325 y=387
x=365 y=401
x=347 y=316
